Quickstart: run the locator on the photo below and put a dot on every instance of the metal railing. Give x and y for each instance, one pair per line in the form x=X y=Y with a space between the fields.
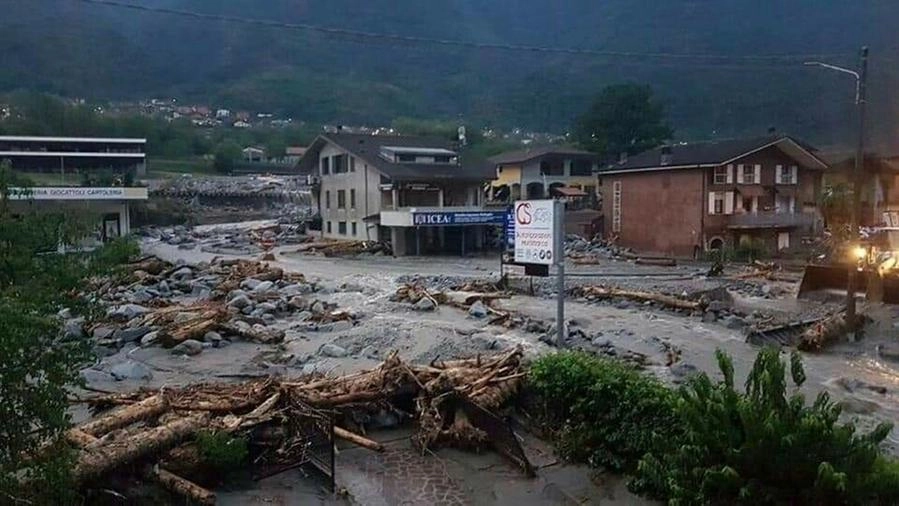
x=772 y=220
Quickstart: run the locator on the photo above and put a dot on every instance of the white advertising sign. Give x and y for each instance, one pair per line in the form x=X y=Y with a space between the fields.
x=78 y=193
x=534 y=240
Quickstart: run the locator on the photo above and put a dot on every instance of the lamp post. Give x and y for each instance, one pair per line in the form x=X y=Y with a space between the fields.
x=861 y=78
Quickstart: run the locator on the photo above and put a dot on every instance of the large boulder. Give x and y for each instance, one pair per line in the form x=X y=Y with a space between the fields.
x=338 y=326
x=126 y=312
x=130 y=335
x=240 y=302
x=332 y=350
x=478 y=310
x=103 y=332
x=425 y=304
x=188 y=347
x=130 y=370
x=264 y=287
x=74 y=328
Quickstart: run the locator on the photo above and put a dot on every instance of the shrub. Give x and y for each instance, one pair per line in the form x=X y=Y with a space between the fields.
x=607 y=413
x=222 y=451
x=762 y=446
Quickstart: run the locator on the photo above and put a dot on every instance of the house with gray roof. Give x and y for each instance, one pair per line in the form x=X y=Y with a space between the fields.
x=420 y=194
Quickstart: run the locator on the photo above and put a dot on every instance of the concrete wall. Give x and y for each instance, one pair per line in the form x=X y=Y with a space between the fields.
x=364 y=180
x=661 y=212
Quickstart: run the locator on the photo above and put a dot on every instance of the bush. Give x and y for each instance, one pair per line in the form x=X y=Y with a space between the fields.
x=222 y=451
x=607 y=413
x=762 y=446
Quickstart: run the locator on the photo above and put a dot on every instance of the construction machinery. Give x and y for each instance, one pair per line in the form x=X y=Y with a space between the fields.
x=875 y=256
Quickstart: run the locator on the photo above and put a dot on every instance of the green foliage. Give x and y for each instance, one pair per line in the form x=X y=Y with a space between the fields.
x=222 y=451
x=622 y=118
x=607 y=413
x=226 y=154
x=835 y=203
x=763 y=446
x=38 y=361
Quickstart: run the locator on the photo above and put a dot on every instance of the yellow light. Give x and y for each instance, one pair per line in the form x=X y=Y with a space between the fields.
x=860 y=252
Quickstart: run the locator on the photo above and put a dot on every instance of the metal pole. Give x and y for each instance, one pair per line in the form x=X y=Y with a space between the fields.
x=559 y=213
x=861 y=98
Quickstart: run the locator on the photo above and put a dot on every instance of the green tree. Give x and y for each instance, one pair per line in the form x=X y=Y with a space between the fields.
x=39 y=361
x=225 y=155
x=622 y=118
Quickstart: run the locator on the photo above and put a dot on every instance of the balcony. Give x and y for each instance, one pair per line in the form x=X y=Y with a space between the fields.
x=773 y=220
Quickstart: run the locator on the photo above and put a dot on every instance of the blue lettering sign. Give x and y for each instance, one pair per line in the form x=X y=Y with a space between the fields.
x=439 y=219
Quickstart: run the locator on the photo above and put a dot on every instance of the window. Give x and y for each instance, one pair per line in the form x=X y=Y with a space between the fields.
x=785 y=174
x=327 y=200
x=581 y=168
x=747 y=174
x=329 y=227
x=341 y=199
x=720 y=176
x=352 y=164
x=719 y=203
x=747 y=204
x=552 y=168
x=353 y=201
x=405 y=158
x=339 y=164
x=616 y=207
x=341 y=227
x=326 y=166
x=442 y=159
x=353 y=225
x=590 y=190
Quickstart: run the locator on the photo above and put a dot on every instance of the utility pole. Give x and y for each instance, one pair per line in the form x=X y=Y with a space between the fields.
x=861 y=93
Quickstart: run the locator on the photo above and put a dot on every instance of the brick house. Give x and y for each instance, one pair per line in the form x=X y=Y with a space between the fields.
x=687 y=198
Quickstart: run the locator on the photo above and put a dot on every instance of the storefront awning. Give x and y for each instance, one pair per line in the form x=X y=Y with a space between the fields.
x=568 y=191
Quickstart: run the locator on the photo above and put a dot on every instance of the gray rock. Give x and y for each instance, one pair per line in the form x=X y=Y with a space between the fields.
x=318 y=307
x=683 y=370
x=183 y=274
x=223 y=343
x=766 y=289
x=149 y=338
x=717 y=305
x=624 y=304
x=369 y=352
x=425 y=304
x=206 y=346
x=130 y=370
x=267 y=307
x=249 y=309
x=478 y=310
x=303 y=315
x=163 y=287
x=131 y=335
x=332 y=350
x=268 y=318
x=264 y=287
x=65 y=313
x=107 y=350
x=141 y=296
x=200 y=292
x=212 y=337
x=74 y=328
x=338 y=326
x=188 y=347
x=292 y=290
x=734 y=322
x=709 y=317
x=860 y=406
x=240 y=302
x=384 y=419
x=298 y=303
x=249 y=283
x=126 y=312
x=311 y=368
x=888 y=352
x=93 y=376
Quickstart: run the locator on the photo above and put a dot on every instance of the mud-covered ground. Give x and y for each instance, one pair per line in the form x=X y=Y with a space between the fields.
x=855 y=373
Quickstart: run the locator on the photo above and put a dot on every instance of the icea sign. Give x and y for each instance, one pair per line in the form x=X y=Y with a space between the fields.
x=534 y=231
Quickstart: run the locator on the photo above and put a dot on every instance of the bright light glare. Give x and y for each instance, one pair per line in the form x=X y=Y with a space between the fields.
x=860 y=252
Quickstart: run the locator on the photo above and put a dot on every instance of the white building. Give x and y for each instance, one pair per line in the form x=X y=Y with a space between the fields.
x=71 y=154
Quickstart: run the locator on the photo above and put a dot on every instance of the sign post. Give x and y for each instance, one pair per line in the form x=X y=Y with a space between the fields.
x=540 y=243
x=559 y=225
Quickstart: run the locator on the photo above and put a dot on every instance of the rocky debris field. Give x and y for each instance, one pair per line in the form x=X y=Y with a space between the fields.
x=231 y=240
x=231 y=185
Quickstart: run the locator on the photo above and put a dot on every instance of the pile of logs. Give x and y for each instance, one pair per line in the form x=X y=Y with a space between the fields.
x=765 y=270
x=463 y=298
x=827 y=331
x=330 y=248
x=669 y=301
x=151 y=432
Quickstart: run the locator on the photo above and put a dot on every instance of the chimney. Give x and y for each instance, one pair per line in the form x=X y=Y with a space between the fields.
x=666 y=155
x=622 y=157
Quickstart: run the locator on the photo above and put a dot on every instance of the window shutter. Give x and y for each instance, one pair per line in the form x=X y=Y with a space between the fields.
x=795 y=171
x=792 y=205
x=729 y=203
x=778 y=174
x=711 y=202
x=730 y=173
x=758 y=174
x=755 y=204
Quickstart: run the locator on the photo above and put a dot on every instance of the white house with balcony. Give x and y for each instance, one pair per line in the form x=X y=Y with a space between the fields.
x=417 y=193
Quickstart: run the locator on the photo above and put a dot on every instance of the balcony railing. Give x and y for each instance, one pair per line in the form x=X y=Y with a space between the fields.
x=772 y=220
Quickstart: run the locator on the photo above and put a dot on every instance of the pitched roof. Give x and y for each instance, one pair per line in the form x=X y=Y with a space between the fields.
x=368 y=147
x=710 y=153
x=523 y=155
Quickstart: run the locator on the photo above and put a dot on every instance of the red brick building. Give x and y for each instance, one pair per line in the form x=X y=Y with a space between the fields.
x=687 y=198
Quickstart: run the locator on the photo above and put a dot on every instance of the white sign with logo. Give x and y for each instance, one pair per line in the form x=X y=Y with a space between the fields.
x=534 y=225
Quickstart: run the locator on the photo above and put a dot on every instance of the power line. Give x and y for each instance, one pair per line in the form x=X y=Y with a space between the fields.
x=412 y=39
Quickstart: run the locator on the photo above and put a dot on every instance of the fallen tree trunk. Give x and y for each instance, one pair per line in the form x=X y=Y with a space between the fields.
x=251 y=334
x=663 y=262
x=125 y=416
x=357 y=439
x=183 y=487
x=99 y=460
x=665 y=300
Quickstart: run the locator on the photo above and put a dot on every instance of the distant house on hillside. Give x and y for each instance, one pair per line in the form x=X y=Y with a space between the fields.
x=688 y=198
x=253 y=154
x=880 y=185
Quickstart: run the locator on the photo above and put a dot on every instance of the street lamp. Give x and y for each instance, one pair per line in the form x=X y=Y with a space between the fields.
x=861 y=78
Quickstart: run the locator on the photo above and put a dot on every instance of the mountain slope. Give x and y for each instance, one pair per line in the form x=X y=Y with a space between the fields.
x=81 y=49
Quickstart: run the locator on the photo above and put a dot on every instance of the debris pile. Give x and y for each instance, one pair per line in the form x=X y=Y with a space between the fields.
x=585 y=251
x=191 y=308
x=599 y=293
x=262 y=186
x=223 y=240
x=151 y=432
x=331 y=248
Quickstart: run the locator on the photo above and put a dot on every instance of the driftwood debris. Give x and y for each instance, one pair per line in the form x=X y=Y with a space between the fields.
x=662 y=262
x=282 y=418
x=825 y=332
x=669 y=301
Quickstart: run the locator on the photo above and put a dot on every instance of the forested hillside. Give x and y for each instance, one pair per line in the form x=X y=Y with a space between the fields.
x=77 y=48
